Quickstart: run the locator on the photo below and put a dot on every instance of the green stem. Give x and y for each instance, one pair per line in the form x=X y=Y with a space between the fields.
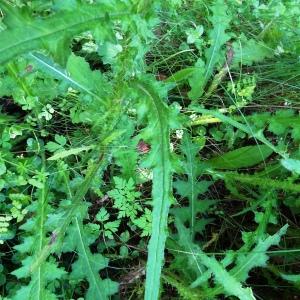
x=58 y=234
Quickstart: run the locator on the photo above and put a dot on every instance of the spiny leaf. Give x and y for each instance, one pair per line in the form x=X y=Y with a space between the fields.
x=37 y=288
x=184 y=291
x=257 y=257
x=261 y=181
x=230 y=284
x=69 y=214
x=220 y=21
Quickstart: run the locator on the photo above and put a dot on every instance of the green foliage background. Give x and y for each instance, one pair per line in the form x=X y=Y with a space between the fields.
x=149 y=149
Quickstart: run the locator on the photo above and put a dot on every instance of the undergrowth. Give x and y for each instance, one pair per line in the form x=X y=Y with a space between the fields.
x=149 y=149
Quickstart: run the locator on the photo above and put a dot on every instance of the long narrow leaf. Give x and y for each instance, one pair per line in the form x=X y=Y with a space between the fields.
x=160 y=192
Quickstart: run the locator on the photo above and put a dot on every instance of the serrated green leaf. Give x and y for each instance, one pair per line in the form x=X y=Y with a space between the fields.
x=111 y=227
x=52 y=147
x=257 y=257
x=80 y=71
x=102 y=215
x=144 y=222
x=60 y=139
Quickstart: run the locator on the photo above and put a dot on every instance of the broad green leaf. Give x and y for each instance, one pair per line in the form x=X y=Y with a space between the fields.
x=197 y=80
x=2 y=167
x=282 y=121
x=241 y=158
x=80 y=71
x=66 y=4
